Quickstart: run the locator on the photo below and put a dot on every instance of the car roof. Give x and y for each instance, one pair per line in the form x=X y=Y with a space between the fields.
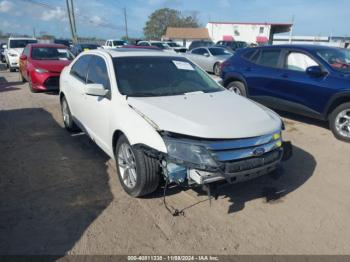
x=21 y=38
x=47 y=45
x=305 y=47
x=127 y=52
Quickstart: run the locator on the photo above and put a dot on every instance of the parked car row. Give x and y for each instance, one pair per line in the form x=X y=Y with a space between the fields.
x=194 y=130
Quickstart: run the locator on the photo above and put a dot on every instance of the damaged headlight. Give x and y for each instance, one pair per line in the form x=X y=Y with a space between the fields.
x=182 y=152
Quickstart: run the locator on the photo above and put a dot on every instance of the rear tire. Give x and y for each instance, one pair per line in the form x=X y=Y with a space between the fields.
x=237 y=87
x=339 y=122
x=12 y=69
x=67 y=116
x=21 y=78
x=217 y=69
x=138 y=173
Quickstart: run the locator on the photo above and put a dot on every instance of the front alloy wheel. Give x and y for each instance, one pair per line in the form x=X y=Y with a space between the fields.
x=127 y=165
x=139 y=174
x=340 y=122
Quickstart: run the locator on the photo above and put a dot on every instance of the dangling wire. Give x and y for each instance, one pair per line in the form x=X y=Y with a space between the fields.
x=173 y=211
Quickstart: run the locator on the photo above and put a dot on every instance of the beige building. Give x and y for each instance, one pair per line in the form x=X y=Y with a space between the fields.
x=185 y=36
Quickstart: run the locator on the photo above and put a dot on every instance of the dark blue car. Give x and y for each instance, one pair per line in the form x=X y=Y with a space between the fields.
x=305 y=79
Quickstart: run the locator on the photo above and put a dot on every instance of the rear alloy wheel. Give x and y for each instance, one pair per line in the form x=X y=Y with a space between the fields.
x=138 y=173
x=67 y=116
x=339 y=121
x=217 y=69
x=237 y=87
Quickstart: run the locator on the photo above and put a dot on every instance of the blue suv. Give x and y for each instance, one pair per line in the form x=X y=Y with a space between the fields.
x=305 y=79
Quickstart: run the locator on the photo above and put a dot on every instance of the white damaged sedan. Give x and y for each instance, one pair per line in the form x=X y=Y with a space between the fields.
x=159 y=115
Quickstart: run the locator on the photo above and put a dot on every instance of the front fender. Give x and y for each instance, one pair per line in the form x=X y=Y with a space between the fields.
x=137 y=129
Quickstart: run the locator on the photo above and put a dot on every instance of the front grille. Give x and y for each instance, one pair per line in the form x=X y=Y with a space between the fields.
x=52 y=83
x=252 y=163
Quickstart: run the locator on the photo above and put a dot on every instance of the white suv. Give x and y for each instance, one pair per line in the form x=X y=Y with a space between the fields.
x=110 y=44
x=160 y=115
x=14 y=50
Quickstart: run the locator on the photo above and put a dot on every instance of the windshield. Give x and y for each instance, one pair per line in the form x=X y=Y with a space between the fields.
x=160 y=45
x=117 y=43
x=51 y=53
x=173 y=45
x=89 y=46
x=337 y=58
x=21 y=43
x=219 y=51
x=62 y=42
x=161 y=76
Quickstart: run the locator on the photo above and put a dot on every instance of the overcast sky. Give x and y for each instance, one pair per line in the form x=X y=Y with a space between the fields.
x=104 y=18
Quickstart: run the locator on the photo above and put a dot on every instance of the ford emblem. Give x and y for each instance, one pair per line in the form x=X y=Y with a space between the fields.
x=258 y=151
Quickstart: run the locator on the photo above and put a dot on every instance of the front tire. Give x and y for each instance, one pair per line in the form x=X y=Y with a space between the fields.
x=67 y=116
x=238 y=88
x=138 y=173
x=339 y=122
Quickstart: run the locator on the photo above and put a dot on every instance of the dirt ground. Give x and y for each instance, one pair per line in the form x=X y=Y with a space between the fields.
x=59 y=194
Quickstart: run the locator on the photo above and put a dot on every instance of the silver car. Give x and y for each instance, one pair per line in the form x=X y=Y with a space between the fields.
x=209 y=58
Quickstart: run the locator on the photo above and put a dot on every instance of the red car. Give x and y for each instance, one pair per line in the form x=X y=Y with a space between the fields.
x=41 y=65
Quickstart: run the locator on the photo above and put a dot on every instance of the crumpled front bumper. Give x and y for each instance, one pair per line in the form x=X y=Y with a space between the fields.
x=236 y=171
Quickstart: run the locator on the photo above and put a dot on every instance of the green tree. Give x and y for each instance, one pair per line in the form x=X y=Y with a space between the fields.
x=160 y=19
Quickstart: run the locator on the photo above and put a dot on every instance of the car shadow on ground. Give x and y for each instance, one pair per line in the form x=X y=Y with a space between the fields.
x=8 y=86
x=303 y=119
x=273 y=188
x=52 y=185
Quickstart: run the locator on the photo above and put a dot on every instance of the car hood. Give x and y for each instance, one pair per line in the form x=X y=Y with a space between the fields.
x=17 y=51
x=51 y=65
x=207 y=115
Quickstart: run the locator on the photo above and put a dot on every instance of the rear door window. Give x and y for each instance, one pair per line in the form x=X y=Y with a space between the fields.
x=269 y=58
x=80 y=67
x=97 y=73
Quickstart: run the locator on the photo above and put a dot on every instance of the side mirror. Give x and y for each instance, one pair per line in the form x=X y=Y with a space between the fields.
x=315 y=71
x=23 y=57
x=96 y=90
x=206 y=54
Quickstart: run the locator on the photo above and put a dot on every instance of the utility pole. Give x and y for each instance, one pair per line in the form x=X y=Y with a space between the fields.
x=70 y=21
x=126 y=25
x=34 y=35
x=73 y=21
x=291 y=30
